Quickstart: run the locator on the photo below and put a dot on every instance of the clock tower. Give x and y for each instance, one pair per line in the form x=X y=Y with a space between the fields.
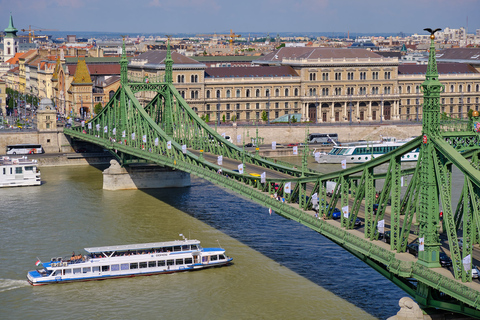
x=10 y=41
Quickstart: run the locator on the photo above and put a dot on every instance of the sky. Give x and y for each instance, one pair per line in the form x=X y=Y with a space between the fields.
x=242 y=16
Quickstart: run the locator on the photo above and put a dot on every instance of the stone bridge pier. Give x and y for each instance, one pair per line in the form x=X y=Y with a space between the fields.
x=143 y=176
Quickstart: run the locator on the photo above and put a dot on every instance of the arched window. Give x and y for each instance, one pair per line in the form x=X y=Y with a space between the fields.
x=277 y=92
x=417 y=89
x=111 y=94
x=208 y=94
x=286 y=92
x=228 y=93
x=460 y=88
x=238 y=93
x=257 y=93
x=192 y=94
x=452 y=88
x=296 y=92
x=218 y=93
x=192 y=78
x=196 y=94
x=399 y=90
x=408 y=89
x=469 y=88
x=247 y=93
x=267 y=93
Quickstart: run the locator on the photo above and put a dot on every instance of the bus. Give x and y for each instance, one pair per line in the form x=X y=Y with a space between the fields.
x=24 y=148
x=323 y=138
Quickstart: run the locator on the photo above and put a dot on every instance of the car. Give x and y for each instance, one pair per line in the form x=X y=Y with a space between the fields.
x=357 y=223
x=81 y=150
x=460 y=243
x=336 y=214
x=375 y=208
x=248 y=145
x=445 y=260
x=229 y=139
x=292 y=144
x=255 y=174
x=413 y=248
x=475 y=272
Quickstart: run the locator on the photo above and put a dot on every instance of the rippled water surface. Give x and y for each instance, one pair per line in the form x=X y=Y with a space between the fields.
x=281 y=270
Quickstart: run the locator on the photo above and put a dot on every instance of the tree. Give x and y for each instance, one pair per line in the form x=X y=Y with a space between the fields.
x=98 y=108
x=223 y=118
x=264 y=115
x=207 y=118
x=294 y=120
x=469 y=114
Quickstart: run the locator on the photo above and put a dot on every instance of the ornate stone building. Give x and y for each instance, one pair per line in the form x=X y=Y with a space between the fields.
x=322 y=84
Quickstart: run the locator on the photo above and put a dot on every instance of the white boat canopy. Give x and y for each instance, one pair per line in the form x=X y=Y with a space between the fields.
x=141 y=246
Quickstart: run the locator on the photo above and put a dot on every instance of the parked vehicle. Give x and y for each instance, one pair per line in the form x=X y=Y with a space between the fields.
x=445 y=260
x=413 y=248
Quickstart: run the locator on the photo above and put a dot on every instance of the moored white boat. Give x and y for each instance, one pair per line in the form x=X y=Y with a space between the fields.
x=16 y=172
x=363 y=152
x=128 y=261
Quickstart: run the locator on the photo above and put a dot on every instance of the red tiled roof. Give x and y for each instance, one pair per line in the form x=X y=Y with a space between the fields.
x=244 y=72
x=97 y=69
x=14 y=59
x=443 y=68
x=317 y=53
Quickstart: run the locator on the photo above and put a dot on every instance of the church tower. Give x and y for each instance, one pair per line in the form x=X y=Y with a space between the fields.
x=10 y=41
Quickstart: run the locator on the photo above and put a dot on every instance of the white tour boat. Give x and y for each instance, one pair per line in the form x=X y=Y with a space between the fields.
x=128 y=261
x=364 y=151
x=16 y=172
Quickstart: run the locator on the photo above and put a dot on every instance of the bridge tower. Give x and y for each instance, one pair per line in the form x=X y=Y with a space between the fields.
x=168 y=119
x=428 y=207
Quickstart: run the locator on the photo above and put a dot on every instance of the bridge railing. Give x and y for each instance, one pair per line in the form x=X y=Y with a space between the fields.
x=454 y=125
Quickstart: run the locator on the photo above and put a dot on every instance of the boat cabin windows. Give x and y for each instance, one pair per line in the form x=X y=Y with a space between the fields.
x=178 y=261
x=188 y=260
x=57 y=273
x=170 y=262
x=161 y=263
x=142 y=265
x=67 y=272
x=124 y=266
x=134 y=265
x=77 y=270
x=18 y=170
x=87 y=270
x=115 y=267
x=96 y=269
x=214 y=258
x=105 y=268
x=152 y=264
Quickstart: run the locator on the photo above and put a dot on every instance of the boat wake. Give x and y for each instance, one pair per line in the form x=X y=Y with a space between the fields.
x=10 y=284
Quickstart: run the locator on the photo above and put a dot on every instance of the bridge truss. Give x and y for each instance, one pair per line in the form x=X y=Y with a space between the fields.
x=169 y=133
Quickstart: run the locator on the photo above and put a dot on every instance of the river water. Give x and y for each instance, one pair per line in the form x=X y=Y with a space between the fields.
x=281 y=270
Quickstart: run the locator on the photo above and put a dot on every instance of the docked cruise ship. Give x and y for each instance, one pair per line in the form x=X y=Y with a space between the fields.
x=16 y=172
x=363 y=152
x=128 y=261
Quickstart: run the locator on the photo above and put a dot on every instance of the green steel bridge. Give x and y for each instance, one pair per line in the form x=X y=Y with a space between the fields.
x=168 y=132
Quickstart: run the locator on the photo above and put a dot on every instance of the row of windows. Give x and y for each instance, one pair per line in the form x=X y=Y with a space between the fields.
x=452 y=88
x=136 y=265
x=257 y=105
x=228 y=93
x=228 y=115
x=350 y=76
x=18 y=170
x=193 y=78
x=194 y=94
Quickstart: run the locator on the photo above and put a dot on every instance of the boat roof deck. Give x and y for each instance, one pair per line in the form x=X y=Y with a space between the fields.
x=141 y=246
x=7 y=161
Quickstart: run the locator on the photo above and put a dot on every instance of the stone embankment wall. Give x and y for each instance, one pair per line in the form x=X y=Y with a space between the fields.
x=296 y=133
x=56 y=141
x=51 y=141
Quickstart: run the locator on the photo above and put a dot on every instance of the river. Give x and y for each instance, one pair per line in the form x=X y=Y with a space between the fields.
x=281 y=270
